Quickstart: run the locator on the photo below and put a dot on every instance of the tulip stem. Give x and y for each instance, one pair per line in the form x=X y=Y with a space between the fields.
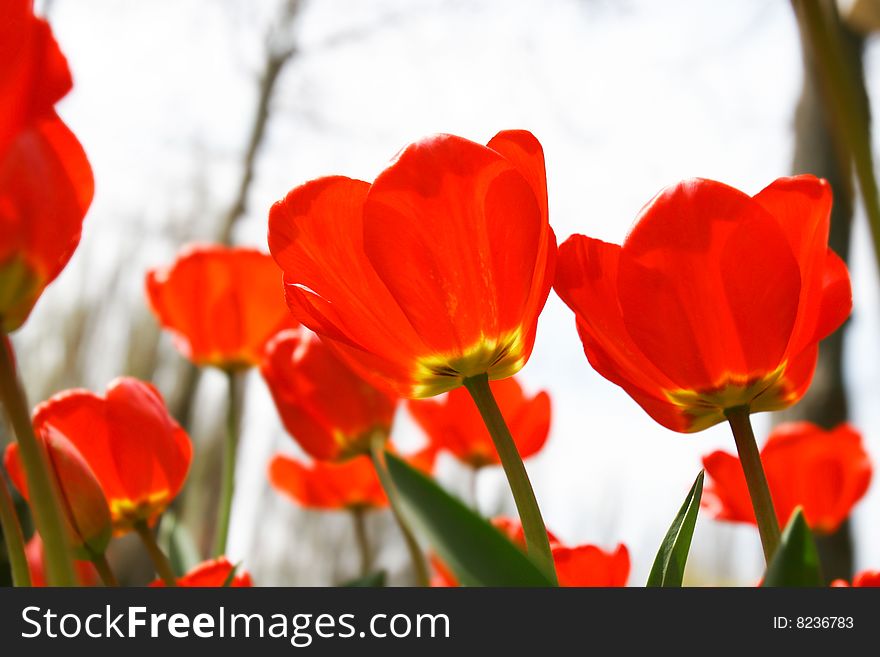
x=160 y=561
x=415 y=551
x=537 y=543
x=230 y=450
x=43 y=496
x=358 y=515
x=759 y=491
x=13 y=538
x=103 y=568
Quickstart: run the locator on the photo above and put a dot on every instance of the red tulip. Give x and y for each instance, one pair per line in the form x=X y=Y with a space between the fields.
x=454 y=423
x=46 y=182
x=137 y=451
x=83 y=503
x=716 y=299
x=825 y=472
x=352 y=484
x=86 y=574
x=331 y=411
x=221 y=304
x=586 y=565
x=214 y=573
x=865 y=579
x=435 y=272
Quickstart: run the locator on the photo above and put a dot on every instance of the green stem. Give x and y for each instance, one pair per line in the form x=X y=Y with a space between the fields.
x=43 y=496
x=103 y=568
x=415 y=551
x=762 y=502
x=537 y=543
x=21 y=575
x=358 y=516
x=230 y=449
x=160 y=561
x=844 y=98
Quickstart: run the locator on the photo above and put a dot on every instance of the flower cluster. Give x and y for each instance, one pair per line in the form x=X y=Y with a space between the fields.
x=427 y=282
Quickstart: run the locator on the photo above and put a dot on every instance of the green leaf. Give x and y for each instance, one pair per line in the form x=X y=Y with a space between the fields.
x=177 y=542
x=796 y=562
x=476 y=552
x=372 y=580
x=668 y=569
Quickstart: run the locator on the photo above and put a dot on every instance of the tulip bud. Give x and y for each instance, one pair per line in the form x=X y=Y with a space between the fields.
x=86 y=512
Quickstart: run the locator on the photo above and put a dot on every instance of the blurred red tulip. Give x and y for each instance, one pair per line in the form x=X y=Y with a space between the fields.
x=454 y=423
x=865 y=579
x=86 y=574
x=222 y=304
x=435 y=272
x=82 y=499
x=716 y=299
x=137 y=451
x=352 y=484
x=46 y=182
x=331 y=411
x=825 y=472
x=214 y=574
x=584 y=566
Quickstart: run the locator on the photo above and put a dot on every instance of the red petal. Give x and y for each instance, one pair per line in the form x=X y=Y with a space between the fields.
x=588 y=565
x=316 y=237
x=223 y=304
x=586 y=280
x=836 y=296
x=330 y=410
x=727 y=495
x=34 y=74
x=708 y=286
x=455 y=232
x=139 y=454
x=41 y=228
x=324 y=485
x=453 y=423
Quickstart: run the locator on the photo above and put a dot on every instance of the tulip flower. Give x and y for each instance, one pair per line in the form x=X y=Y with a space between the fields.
x=825 y=472
x=215 y=573
x=432 y=277
x=352 y=484
x=136 y=450
x=331 y=411
x=713 y=308
x=221 y=304
x=865 y=579
x=85 y=507
x=46 y=183
x=584 y=566
x=86 y=575
x=454 y=424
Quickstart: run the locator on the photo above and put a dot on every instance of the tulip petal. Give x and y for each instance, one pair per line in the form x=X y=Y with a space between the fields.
x=586 y=280
x=222 y=304
x=327 y=408
x=324 y=485
x=316 y=237
x=588 y=565
x=138 y=453
x=454 y=231
x=717 y=303
x=836 y=296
